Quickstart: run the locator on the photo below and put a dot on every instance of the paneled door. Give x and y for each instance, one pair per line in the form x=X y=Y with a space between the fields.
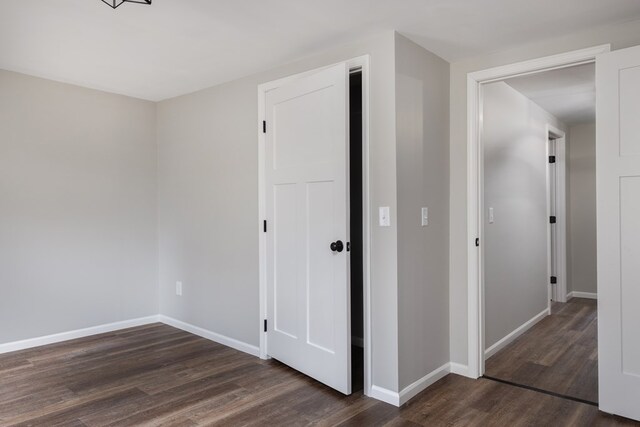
x=618 y=187
x=306 y=178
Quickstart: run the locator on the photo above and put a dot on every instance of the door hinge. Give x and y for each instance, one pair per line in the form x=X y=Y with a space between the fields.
x=265 y=325
x=477 y=242
x=554 y=280
x=264 y=225
x=552 y=220
x=264 y=126
x=552 y=159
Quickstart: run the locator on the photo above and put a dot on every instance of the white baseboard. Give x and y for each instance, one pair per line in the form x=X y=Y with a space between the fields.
x=576 y=294
x=459 y=369
x=400 y=398
x=385 y=395
x=110 y=327
x=515 y=334
x=213 y=336
x=413 y=389
x=78 y=333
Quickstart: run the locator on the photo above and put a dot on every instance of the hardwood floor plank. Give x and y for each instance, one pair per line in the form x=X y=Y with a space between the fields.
x=71 y=414
x=559 y=354
x=157 y=376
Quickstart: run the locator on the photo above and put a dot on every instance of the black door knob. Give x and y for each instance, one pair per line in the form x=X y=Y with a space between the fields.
x=337 y=246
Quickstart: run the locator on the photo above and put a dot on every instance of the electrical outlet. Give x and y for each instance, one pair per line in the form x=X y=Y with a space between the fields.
x=179 y=289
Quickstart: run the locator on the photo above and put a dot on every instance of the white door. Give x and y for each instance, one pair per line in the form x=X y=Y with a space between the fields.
x=618 y=188
x=308 y=306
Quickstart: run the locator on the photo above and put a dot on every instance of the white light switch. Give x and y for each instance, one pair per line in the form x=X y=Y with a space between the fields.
x=490 y=215
x=425 y=217
x=179 y=289
x=385 y=217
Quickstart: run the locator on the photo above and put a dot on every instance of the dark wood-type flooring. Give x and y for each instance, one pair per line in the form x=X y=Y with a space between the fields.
x=156 y=375
x=558 y=354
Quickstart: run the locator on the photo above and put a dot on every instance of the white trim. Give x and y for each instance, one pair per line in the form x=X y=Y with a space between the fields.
x=385 y=395
x=475 y=297
x=359 y=62
x=400 y=398
x=577 y=294
x=459 y=369
x=561 y=225
x=413 y=389
x=78 y=333
x=560 y=291
x=546 y=63
x=212 y=336
x=516 y=333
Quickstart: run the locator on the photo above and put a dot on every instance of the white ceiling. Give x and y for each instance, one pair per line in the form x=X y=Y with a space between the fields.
x=568 y=93
x=178 y=46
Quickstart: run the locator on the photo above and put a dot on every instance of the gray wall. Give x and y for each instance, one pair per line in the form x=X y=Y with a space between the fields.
x=422 y=117
x=582 y=244
x=620 y=35
x=77 y=208
x=515 y=186
x=208 y=204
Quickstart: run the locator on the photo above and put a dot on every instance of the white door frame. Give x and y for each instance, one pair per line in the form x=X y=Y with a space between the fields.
x=361 y=63
x=475 y=255
x=559 y=291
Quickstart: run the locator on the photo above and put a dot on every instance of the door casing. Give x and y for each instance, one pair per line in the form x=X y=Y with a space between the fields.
x=558 y=292
x=475 y=183
x=358 y=63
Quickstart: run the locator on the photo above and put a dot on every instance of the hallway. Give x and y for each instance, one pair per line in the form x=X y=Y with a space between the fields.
x=558 y=355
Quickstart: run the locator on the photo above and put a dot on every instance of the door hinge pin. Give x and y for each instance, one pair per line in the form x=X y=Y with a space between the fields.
x=552 y=159
x=265 y=325
x=264 y=126
x=264 y=225
x=552 y=220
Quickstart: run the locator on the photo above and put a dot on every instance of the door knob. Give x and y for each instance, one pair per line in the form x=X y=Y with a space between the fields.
x=337 y=246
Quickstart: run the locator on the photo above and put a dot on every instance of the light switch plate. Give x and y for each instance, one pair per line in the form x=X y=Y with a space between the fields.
x=490 y=215
x=425 y=217
x=179 y=289
x=385 y=218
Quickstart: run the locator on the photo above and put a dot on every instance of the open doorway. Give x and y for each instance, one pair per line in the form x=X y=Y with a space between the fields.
x=356 y=213
x=539 y=227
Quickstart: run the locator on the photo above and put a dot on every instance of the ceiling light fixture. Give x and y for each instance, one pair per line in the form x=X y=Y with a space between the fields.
x=116 y=3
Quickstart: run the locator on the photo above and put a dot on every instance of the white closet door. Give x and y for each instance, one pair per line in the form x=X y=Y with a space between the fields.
x=308 y=306
x=618 y=187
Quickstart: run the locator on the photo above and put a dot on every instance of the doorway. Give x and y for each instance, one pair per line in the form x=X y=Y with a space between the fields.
x=356 y=213
x=524 y=331
x=314 y=142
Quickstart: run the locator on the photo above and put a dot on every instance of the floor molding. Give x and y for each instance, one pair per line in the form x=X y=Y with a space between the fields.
x=400 y=398
x=212 y=336
x=515 y=334
x=78 y=333
x=460 y=369
x=577 y=294
x=413 y=389
x=385 y=395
